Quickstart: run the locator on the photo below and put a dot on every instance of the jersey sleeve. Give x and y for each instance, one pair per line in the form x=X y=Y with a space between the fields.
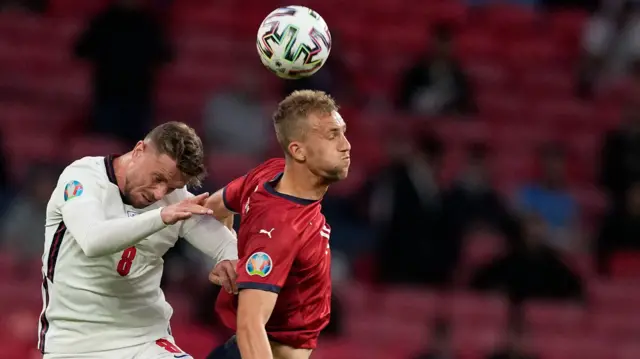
x=83 y=214
x=232 y=194
x=267 y=260
x=79 y=188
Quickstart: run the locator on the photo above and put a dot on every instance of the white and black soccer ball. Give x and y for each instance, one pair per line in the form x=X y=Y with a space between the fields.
x=293 y=42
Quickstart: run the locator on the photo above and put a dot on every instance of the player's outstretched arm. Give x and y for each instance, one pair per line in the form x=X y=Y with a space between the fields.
x=84 y=216
x=254 y=310
x=216 y=203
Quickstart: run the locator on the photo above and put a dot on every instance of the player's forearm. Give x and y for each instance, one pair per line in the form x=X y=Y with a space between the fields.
x=253 y=341
x=213 y=239
x=103 y=237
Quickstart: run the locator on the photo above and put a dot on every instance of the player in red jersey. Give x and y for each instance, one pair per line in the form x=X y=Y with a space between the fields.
x=284 y=266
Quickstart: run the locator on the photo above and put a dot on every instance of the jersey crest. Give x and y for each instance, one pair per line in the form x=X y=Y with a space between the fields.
x=260 y=264
x=72 y=190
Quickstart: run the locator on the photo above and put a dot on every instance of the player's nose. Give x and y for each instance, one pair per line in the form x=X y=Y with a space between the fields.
x=346 y=145
x=159 y=193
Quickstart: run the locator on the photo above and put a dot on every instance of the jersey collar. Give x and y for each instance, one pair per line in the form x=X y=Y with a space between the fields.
x=269 y=186
x=111 y=174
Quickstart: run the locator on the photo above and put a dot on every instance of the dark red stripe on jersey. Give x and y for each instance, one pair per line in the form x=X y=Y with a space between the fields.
x=225 y=202
x=260 y=286
x=111 y=173
x=271 y=188
x=44 y=323
x=55 y=249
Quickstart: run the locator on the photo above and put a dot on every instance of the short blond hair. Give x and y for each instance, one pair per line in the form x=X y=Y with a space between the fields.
x=289 y=119
x=181 y=142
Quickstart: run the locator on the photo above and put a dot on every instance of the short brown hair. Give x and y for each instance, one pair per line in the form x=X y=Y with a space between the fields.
x=294 y=109
x=180 y=142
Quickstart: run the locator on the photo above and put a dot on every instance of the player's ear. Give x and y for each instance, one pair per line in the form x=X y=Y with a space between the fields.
x=297 y=151
x=139 y=148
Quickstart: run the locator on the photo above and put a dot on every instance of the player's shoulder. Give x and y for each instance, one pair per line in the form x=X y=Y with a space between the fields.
x=267 y=170
x=88 y=169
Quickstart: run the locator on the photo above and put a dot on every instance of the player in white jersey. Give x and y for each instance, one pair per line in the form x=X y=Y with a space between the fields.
x=109 y=222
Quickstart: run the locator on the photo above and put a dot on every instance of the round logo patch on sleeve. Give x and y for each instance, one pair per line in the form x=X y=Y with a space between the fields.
x=260 y=264
x=73 y=189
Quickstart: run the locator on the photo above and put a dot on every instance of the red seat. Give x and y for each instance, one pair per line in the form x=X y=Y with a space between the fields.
x=471 y=341
x=622 y=296
x=502 y=106
x=567 y=27
x=531 y=54
x=547 y=83
x=380 y=330
x=553 y=346
x=451 y=12
x=628 y=351
x=511 y=21
x=471 y=310
x=411 y=304
x=625 y=265
x=565 y=114
x=487 y=75
x=615 y=325
x=550 y=317
x=476 y=46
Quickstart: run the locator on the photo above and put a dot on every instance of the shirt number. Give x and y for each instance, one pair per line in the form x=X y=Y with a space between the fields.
x=126 y=261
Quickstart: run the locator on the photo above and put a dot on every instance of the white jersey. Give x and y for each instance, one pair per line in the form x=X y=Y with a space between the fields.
x=102 y=302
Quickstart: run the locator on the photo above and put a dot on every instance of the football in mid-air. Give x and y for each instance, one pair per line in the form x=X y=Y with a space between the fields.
x=293 y=42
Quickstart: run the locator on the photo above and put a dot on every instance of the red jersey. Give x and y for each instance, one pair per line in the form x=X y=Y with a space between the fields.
x=283 y=247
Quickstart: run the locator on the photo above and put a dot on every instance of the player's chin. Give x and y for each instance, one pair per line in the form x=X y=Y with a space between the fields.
x=337 y=175
x=139 y=201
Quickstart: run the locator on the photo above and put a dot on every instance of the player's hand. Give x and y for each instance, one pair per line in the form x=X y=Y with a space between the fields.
x=224 y=274
x=185 y=209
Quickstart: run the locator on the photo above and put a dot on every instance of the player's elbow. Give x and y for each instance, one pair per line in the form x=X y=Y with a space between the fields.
x=91 y=252
x=89 y=249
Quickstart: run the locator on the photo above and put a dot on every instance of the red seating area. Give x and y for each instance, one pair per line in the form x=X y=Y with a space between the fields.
x=521 y=65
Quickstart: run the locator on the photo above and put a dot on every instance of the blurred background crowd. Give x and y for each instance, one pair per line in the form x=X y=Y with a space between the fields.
x=493 y=206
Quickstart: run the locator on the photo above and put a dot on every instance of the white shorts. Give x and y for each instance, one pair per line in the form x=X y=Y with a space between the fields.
x=164 y=348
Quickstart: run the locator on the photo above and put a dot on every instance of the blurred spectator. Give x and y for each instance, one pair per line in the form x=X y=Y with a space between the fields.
x=23 y=223
x=439 y=347
x=407 y=210
x=548 y=198
x=515 y=345
x=127 y=47
x=472 y=203
x=235 y=119
x=611 y=43
x=620 y=163
x=620 y=231
x=532 y=269
x=437 y=84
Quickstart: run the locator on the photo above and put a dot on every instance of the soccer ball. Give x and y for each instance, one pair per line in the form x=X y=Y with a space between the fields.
x=293 y=42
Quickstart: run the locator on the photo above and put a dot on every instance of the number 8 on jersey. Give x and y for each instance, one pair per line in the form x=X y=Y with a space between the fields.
x=126 y=261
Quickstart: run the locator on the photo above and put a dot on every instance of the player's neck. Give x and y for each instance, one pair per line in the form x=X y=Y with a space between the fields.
x=119 y=166
x=301 y=183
